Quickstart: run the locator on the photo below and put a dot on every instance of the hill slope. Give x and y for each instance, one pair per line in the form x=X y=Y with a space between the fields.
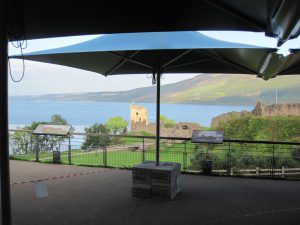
x=204 y=89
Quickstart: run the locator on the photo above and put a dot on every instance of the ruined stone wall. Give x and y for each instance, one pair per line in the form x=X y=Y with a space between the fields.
x=216 y=121
x=140 y=126
x=139 y=122
x=182 y=129
x=262 y=110
x=288 y=109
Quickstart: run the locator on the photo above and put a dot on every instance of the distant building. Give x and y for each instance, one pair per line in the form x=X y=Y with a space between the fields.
x=139 y=122
x=138 y=114
x=260 y=110
x=283 y=109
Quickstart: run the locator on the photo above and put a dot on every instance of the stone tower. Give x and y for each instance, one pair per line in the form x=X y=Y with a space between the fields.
x=138 y=114
x=259 y=109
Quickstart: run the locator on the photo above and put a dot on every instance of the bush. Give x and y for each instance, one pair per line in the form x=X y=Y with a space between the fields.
x=262 y=128
x=97 y=136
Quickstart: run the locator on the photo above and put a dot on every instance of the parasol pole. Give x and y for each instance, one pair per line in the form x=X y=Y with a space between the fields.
x=158 y=76
x=4 y=149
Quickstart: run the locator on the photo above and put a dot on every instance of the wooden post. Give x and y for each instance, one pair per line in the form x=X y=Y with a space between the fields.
x=257 y=170
x=37 y=150
x=184 y=157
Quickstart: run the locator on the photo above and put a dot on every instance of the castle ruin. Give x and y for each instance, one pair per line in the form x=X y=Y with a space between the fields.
x=139 y=122
x=288 y=109
x=138 y=114
x=260 y=110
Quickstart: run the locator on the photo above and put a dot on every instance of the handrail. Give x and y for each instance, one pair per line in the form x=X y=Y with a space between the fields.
x=178 y=138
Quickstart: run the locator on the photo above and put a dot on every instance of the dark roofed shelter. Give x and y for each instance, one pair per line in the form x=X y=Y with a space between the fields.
x=173 y=52
x=55 y=130
x=39 y=19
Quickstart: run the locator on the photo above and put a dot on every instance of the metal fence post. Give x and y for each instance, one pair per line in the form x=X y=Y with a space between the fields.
x=105 y=152
x=31 y=147
x=143 y=150
x=184 y=157
x=273 y=160
x=229 y=160
x=69 y=151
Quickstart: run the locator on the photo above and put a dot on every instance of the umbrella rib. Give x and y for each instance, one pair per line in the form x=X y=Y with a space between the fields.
x=120 y=64
x=289 y=69
x=231 y=11
x=130 y=60
x=189 y=63
x=228 y=62
x=176 y=58
x=285 y=68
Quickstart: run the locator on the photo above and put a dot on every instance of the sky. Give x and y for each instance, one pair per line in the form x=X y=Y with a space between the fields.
x=42 y=78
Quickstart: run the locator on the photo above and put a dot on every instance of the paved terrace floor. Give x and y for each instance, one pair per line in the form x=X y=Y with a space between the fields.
x=105 y=198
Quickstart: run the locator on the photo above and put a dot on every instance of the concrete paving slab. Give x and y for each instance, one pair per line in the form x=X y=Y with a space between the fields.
x=105 y=198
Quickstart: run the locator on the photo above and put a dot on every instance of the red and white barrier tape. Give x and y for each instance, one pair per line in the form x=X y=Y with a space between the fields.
x=59 y=177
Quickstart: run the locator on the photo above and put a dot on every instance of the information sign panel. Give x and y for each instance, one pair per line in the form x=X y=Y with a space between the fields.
x=211 y=137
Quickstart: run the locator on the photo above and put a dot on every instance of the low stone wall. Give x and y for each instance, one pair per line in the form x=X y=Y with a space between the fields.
x=141 y=126
x=181 y=129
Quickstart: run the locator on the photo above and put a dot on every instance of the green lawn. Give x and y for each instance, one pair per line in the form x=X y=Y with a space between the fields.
x=125 y=158
x=176 y=152
x=122 y=158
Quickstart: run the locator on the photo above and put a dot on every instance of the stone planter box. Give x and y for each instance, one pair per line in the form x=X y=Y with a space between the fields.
x=150 y=180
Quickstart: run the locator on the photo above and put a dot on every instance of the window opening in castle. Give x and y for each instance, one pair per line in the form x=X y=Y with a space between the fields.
x=184 y=127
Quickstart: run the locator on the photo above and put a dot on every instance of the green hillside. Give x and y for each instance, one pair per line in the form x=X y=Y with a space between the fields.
x=238 y=89
x=202 y=89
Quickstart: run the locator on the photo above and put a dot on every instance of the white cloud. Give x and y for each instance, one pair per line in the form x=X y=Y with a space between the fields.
x=42 y=78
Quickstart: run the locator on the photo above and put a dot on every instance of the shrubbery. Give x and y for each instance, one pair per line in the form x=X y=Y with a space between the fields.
x=250 y=156
x=24 y=142
x=262 y=128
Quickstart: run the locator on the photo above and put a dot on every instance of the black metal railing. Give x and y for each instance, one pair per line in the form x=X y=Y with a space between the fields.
x=232 y=158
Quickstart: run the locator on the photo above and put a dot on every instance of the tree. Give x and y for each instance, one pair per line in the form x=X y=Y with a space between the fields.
x=117 y=125
x=167 y=122
x=97 y=136
x=58 y=120
x=23 y=142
